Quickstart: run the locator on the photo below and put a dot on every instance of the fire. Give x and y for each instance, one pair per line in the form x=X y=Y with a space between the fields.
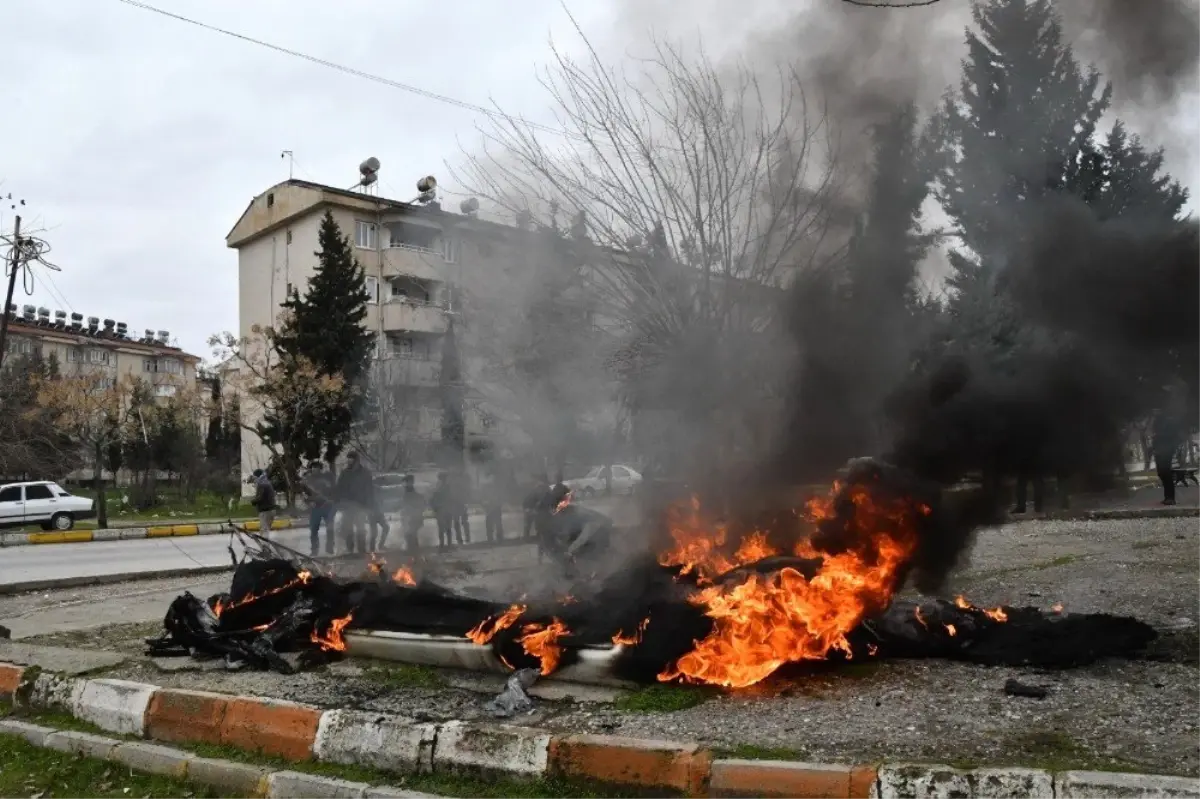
x=766 y=621
x=950 y=628
x=995 y=614
x=332 y=640
x=541 y=641
x=565 y=501
x=376 y=565
x=1057 y=608
x=698 y=546
x=487 y=629
x=620 y=639
x=220 y=607
x=920 y=618
x=404 y=576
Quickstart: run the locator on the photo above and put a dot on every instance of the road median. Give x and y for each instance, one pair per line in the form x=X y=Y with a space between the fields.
x=300 y=733
x=137 y=533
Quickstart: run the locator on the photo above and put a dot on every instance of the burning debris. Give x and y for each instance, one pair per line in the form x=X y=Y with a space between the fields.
x=717 y=607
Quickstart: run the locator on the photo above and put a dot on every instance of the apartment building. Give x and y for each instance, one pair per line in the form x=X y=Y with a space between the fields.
x=413 y=254
x=109 y=348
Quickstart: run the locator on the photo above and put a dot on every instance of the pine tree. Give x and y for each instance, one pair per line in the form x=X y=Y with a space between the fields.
x=214 y=439
x=1024 y=114
x=327 y=330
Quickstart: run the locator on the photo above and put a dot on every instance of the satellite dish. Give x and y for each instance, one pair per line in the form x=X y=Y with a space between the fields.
x=469 y=206
x=427 y=184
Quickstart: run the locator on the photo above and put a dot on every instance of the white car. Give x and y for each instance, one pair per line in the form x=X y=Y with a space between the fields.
x=624 y=480
x=42 y=502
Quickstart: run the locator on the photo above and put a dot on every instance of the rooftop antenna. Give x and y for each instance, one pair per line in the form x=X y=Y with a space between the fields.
x=291 y=162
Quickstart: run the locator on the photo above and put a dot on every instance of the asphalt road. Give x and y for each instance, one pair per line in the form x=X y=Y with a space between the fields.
x=62 y=561
x=100 y=558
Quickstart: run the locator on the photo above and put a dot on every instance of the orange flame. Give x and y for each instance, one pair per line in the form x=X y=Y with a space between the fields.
x=404 y=576
x=220 y=607
x=766 y=621
x=920 y=618
x=1057 y=608
x=620 y=639
x=376 y=565
x=995 y=614
x=332 y=639
x=541 y=641
x=487 y=629
x=565 y=501
x=950 y=628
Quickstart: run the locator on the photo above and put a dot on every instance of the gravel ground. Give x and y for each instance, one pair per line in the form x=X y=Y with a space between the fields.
x=1136 y=715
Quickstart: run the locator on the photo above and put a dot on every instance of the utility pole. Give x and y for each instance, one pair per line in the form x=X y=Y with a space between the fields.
x=12 y=285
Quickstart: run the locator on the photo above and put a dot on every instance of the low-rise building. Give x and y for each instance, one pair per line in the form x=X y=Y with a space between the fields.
x=90 y=346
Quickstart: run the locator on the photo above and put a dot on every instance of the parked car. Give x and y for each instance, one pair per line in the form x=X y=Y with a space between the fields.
x=624 y=481
x=42 y=502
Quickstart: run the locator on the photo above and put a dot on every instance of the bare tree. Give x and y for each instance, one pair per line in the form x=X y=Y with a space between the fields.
x=91 y=409
x=278 y=395
x=395 y=429
x=702 y=190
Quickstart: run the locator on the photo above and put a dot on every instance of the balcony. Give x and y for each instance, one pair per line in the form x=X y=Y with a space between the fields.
x=401 y=371
x=401 y=315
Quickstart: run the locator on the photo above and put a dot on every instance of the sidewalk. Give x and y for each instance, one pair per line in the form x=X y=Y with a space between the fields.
x=400 y=748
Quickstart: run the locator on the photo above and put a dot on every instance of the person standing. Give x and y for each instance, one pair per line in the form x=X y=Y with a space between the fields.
x=379 y=524
x=442 y=502
x=412 y=515
x=264 y=501
x=355 y=493
x=530 y=504
x=318 y=487
x=1168 y=435
x=460 y=493
x=493 y=508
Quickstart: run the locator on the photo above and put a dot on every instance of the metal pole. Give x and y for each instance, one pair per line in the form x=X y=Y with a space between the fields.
x=12 y=285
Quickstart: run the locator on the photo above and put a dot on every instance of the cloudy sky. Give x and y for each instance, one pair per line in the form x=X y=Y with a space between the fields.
x=136 y=140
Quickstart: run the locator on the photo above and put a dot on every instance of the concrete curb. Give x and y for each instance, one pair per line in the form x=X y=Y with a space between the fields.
x=135 y=533
x=105 y=579
x=394 y=743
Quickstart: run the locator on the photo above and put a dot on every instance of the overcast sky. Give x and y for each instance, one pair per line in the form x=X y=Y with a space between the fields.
x=137 y=140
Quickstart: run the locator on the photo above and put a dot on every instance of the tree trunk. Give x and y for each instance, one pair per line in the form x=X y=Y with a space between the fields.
x=98 y=480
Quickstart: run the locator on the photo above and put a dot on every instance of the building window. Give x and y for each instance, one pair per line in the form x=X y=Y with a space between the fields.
x=366 y=235
x=450 y=248
x=372 y=290
x=167 y=366
x=74 y=355
x=270 y=200
x=98 y=356
x=20 y=346
x=415 y=237
x=164 y=390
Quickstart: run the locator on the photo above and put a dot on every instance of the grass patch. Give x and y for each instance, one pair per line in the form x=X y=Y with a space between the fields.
x=28 y=770
x=1056 y=750
x=663 y=699
x=1061 y=560
x=754 y=752
x=403 y=675
x=441 y=783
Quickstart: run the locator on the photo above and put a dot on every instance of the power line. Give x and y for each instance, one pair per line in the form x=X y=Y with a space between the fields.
x=358 y=73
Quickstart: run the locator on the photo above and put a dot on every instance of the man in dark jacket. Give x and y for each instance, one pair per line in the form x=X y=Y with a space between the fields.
x=412 y=515
x=1168 y=435
x=442 y=503
x=460 y=496
x=356 y=495
x=318 y=487
x=264 y=501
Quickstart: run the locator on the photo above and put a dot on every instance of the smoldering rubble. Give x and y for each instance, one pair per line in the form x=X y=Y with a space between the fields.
x=662 y=612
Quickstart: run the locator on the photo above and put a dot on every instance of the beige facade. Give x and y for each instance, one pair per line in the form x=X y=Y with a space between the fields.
x=411 y=255
x=89 y=348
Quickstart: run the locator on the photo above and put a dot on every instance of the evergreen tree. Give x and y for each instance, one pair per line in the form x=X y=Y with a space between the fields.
x=1024 y=115
x=327 y=330
x=865 y=314
x=214 y=441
